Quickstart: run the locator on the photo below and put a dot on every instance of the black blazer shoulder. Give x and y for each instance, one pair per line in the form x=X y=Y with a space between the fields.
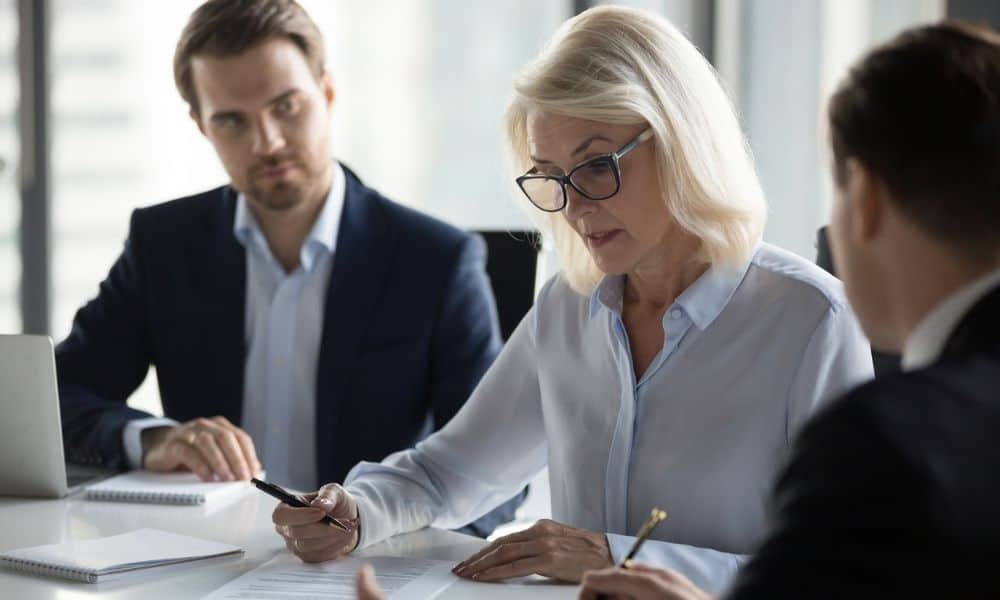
x=892 y=490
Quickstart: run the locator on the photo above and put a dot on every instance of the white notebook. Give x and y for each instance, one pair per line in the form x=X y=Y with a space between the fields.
x=163 y=488
x=95 y=560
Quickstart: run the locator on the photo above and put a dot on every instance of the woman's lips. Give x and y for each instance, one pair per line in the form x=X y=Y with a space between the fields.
x=598 y=239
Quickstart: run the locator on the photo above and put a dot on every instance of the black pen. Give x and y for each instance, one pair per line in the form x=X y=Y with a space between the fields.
x=292 y=500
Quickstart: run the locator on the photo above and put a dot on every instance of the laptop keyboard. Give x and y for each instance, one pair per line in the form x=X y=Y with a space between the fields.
x=74 y=479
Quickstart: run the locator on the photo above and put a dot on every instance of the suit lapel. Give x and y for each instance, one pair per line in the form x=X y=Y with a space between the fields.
x=226 y=269
x=365 y=246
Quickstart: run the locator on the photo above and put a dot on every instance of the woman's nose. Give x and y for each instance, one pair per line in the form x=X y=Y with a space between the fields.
x=576 y=204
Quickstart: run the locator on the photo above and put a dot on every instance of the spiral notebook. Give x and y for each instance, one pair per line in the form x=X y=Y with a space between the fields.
x=93 y=561
x=163 y=488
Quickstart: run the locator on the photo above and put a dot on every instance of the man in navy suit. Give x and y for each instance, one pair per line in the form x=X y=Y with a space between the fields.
x=298 y=320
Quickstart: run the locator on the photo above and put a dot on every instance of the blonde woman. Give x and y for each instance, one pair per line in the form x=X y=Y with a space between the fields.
x=669 y=364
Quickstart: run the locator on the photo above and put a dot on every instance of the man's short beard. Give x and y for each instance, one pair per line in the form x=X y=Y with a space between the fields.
x=280 y=197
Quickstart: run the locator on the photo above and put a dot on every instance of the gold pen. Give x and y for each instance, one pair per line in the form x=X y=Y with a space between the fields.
x=655 y=517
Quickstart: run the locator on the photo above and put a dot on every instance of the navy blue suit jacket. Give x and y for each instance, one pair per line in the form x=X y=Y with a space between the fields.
x=892 y=491
x=410 y=327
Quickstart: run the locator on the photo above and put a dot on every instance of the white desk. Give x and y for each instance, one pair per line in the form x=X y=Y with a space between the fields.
x=245 y=522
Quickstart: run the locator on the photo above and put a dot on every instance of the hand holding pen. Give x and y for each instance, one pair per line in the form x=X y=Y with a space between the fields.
x=316 y=527
x=638 y=581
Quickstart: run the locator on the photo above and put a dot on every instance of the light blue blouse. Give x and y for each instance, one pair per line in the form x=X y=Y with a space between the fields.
x=748 y=355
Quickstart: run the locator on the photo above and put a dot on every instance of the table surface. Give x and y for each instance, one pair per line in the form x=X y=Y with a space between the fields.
x=243 y=521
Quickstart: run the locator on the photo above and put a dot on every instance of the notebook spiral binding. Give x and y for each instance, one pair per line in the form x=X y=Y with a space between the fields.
x=37 y=568
x=145 y=497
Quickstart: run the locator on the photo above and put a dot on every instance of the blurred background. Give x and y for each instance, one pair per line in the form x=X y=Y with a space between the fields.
x=92 y=127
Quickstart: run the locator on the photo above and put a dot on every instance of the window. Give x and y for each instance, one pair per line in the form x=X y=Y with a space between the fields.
x=780 y=61
x=10 y=211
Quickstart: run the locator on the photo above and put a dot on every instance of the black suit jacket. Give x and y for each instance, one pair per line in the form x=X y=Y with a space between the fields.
x=894 y=492
x=410 y=326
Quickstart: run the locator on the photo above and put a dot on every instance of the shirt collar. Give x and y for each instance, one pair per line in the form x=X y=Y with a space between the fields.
x=323 y=235
x=608 y=293
x=702 y=301
x=928 y=340
x=705 y=299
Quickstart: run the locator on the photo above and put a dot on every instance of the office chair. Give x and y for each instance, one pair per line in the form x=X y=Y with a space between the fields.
x=884 y=363
x=511 y=265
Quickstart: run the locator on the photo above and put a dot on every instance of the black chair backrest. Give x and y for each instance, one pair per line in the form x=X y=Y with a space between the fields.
x=511 y=265
x=884 y=363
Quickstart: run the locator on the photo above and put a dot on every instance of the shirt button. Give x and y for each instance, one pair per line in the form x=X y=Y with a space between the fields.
x=675 y=313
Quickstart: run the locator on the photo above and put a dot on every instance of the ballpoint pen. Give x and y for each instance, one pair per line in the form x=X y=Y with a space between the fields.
x=293 y=500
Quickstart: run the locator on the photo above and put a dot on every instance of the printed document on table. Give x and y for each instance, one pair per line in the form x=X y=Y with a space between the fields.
x=285 y=576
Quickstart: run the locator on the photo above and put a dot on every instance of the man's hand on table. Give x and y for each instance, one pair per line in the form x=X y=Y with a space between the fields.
x=214 y=449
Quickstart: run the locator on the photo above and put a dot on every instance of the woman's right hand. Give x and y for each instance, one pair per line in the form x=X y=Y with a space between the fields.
x=312 y=540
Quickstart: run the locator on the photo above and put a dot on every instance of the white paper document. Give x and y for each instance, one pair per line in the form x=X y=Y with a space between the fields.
x=285 y=576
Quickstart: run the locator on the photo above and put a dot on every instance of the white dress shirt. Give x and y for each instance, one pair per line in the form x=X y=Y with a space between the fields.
x=748 y=355
x=283 y=328
x=928 y=340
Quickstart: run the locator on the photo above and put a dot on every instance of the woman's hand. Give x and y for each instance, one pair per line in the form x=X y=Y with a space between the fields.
x=546 y=548
x=307 y=536
x=640 y=582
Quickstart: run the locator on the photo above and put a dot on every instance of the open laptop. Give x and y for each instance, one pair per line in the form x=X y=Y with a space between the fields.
x=31 y=444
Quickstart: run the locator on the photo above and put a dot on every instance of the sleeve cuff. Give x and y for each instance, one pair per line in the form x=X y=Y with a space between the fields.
x=132 y=437
x=619 y=546
x=711 y=570
x=368 y=521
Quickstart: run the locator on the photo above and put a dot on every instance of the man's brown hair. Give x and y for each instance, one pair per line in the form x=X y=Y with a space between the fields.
x=224 y=28
x=922 y=112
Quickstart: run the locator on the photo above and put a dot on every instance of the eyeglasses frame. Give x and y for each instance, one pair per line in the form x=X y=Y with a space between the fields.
x=564 y=180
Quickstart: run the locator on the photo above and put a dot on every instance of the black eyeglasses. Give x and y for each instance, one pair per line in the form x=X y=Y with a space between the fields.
x=598 y=178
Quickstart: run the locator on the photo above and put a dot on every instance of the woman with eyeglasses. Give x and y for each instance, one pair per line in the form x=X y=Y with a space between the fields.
x=668 y=364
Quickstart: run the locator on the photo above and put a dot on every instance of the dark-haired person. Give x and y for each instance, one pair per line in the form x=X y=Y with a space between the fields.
x=893 y=492
x=298 y=320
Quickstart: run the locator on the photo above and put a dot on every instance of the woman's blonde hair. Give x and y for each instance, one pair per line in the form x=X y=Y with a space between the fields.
x=623 y=66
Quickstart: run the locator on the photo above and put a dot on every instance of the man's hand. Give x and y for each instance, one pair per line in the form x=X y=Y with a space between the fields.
x=312 y=540
x=640 y=582
x=546 y=548
x=365 y=585
x=212 y=448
